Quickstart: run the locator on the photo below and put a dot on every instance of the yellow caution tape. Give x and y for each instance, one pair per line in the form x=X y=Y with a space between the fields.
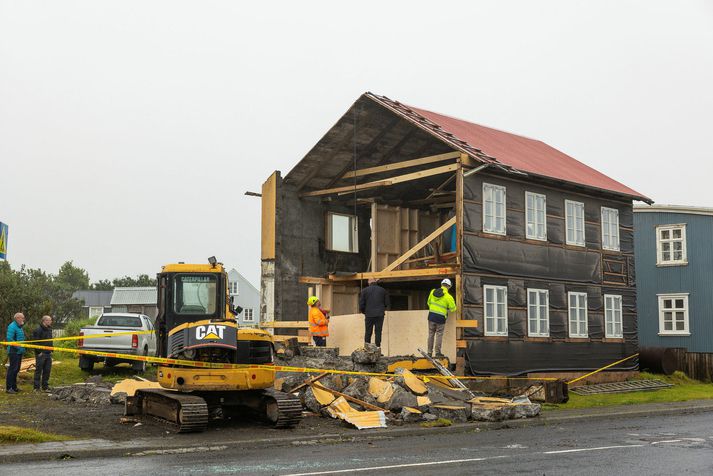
x=93 y=336
x=276 y=368
x=603 y=368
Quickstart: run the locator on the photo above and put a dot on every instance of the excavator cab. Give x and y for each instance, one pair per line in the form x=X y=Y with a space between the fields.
x=196 y=325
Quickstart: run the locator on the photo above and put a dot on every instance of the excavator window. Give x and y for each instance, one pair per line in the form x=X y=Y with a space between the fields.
x=195 y=294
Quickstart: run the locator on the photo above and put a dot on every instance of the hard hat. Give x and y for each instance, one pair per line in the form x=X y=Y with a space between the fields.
x=446 y=282
x=312 y=300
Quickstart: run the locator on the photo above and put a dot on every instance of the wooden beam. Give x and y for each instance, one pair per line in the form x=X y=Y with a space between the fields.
x=300 y=339
x=403 y=273
x=401 y=165
x=309 y=381
x=269 y=213
x=437 y=232
x=350 y=398
x=461 y=344
x=313 y=280
x=385 y=182
x=466 y=323
x=285 y=325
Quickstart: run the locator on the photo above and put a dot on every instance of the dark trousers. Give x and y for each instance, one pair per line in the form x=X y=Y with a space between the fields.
x=43 y=367
x=374 y=324
x=320 y=341
x=12 y=371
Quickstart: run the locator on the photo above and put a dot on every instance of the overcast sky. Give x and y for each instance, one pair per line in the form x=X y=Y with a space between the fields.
x=129 y=130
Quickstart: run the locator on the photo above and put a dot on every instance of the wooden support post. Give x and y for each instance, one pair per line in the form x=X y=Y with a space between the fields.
x=437 y=232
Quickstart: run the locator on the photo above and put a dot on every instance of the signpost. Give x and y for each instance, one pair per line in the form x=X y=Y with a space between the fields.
x=3 y=240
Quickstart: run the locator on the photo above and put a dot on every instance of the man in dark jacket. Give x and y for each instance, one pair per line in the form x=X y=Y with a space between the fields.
x=43 y=358
x=373 y=303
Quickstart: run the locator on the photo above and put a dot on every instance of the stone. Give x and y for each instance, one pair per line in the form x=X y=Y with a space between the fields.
x=401 y=398
x=491 y=414
x=310 y=402
x=429 y=417
x=369 y=354
x=359 y=388
x=454 y=413
x=324 y=353
x=118 y=398
x=527 y=410
x=95 y=379
x=410 y=415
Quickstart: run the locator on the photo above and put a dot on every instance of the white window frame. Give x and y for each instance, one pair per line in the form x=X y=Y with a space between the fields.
x=535 y=216
x=610 y=230
x=685 y=310
x=573 y=314
x=534 y=299
x=659 y=245
x=234 y=288
x=489 y=190
x=576 y=219
x=612 y=313
x=95 y=308
x=495 y=317
x=354 y=228
x=250 y=311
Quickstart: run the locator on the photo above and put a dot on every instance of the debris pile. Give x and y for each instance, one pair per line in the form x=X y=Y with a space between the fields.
x=366 y=401
x=92 y=392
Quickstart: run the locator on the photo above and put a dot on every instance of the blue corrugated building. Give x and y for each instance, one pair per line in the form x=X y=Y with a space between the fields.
x=674 y=276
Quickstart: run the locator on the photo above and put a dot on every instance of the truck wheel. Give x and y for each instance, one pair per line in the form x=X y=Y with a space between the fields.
x=86 y=363
x=139 y=366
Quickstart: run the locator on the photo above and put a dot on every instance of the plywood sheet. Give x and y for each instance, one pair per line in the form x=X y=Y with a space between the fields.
x=403 y=334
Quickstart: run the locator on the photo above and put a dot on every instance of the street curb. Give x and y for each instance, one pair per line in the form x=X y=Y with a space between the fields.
x=75 y=449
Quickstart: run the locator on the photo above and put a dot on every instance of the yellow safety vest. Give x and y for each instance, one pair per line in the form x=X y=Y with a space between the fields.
x=441 y=305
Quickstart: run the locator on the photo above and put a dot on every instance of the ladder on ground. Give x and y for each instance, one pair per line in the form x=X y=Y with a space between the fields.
x=447 y=373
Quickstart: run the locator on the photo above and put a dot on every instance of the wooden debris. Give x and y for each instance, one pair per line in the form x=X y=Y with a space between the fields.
x=414 y=383
x=322 y=396
x=380 y=389
x=341 y=409
x=414 y=364
x=130 y=385
x=423 y=401
x=412 y=410
x=27 y=364
x=278 y=383
x=348 y=397
x=308 y=382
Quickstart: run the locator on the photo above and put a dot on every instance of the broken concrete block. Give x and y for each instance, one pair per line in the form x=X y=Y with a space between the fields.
x=527 y=410
x=359 y=389
x=454 y=413
x=369 y=354
x=429 y=417
x=314 y=352
x=410 y=415
x=491 y=414
x=410 y=382
x=401 y=398
x=310 y=401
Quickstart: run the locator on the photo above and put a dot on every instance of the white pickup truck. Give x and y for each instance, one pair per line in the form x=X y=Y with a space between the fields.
x=118 y=323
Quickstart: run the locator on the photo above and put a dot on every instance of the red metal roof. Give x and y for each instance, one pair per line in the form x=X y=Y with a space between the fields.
x=511 y=150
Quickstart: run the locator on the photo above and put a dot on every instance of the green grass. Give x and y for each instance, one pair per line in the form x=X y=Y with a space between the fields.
x=437 y=423
x=15 y=434
x=683 y=389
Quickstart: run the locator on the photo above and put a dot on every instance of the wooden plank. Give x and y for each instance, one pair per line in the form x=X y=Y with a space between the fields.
x=285 y=324
x=386 y=182
x=466 y=323
x=313 y=280
x=300 y=339
x=307 y=382
x=401 y=165
x=351 y=399
x=269 y=213
x=461 y=344
x=403 y=273
x=437 y=232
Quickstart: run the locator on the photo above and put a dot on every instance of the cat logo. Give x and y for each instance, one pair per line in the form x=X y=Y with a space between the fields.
x=211 y=332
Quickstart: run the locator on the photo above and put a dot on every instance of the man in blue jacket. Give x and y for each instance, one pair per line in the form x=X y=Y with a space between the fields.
x=14 y=353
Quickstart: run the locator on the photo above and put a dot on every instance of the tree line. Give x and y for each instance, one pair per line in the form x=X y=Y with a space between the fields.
x=35 y=292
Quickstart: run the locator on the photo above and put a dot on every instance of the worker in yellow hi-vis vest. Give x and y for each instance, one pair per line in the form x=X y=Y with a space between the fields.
x=440 y=303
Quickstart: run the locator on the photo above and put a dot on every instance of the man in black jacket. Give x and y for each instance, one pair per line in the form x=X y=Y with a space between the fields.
x=373 y=303
x=43 y=358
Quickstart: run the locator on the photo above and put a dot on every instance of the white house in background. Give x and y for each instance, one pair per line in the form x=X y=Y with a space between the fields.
x=136 y=299
x=247 y=296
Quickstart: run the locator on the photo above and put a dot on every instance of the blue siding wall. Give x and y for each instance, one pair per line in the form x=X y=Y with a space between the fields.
x=696 y=278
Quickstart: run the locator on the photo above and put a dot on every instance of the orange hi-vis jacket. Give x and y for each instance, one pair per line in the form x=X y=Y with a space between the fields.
x=318 y=323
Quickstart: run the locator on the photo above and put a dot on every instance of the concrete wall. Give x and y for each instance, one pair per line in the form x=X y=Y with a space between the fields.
x=403 y=334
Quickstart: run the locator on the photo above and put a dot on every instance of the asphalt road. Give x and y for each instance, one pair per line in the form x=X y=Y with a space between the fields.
x=656 y=445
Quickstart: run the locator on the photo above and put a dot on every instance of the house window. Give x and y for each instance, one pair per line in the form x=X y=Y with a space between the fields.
x=575 y=222
x=234 y=288
x=578 y=323
x=535 y=215
x=538 y=316
x=612 y=316
x=95 y=311
x=493 y=209
x=496 y=310
x=673 y=314
x=671 y=245
x=610 y=229
x=342 y=233
x=248 y=314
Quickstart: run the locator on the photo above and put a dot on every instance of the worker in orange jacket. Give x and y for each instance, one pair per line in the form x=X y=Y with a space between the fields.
x=318 y=322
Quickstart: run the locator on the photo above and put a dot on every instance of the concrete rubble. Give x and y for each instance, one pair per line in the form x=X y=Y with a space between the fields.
x=92 y=392
x=403 y=397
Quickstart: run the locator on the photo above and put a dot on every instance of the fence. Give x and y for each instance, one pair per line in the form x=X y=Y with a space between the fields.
x=697 y=365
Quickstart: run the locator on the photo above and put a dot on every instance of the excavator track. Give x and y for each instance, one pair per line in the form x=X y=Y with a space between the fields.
x=282 y=409
x=189 y=413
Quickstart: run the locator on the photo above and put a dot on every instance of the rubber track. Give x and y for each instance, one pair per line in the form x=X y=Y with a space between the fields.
x=289 y=408
x=193 y=409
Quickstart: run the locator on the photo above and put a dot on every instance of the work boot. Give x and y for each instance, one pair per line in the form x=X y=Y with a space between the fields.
x=12 y=390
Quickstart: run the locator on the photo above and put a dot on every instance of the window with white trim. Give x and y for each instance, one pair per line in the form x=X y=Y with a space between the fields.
x=578 y=320
x=342 y=233
x=538 y=314
x=671 y=245
x=493 y=209
x=673 y=314
x=233 y=288
x=574 y=221
x=95 y=311
x=612 y=316
x=248 y=314
x=536 y=216
x=610 y=229
x=496 y=310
